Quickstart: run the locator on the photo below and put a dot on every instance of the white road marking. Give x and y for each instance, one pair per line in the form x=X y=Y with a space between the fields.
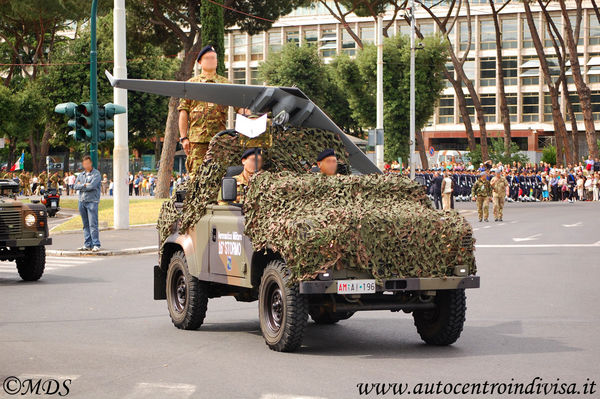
x=53 y=263
x=530 y=238
x=596 y=244
x=572 y=225
x=284 y=396
x=143 y=390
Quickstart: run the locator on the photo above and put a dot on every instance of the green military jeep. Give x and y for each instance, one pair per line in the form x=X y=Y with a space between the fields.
x=272 y=248
x=23 y=232
x=304 y=244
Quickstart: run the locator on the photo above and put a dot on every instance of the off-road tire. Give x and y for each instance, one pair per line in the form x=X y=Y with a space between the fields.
x=31 y=266
x=442 y=325
x=282 y=310
x=323 y=316
x=187 y=297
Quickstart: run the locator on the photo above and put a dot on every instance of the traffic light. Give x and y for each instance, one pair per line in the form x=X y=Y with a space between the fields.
x=106 y=114
x=80 y=119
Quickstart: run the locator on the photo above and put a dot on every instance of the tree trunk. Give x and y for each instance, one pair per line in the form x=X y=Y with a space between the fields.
x=462 y=107
x=582 y=88
x=572 y=138
x=34 y=154
x=167 y=155
x=45 y=145
x=421 y=148
x=557 y=117
x=504 y=113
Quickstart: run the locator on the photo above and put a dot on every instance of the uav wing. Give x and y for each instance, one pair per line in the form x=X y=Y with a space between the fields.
x=259 y=99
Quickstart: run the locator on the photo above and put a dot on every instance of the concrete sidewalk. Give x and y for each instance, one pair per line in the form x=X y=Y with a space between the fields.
x=135 y=240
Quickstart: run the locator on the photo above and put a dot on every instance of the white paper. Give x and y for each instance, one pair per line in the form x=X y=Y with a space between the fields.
x=250 y=127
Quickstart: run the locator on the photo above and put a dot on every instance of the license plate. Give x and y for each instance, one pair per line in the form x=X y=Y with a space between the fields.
x=53 y=204
x=356 y=287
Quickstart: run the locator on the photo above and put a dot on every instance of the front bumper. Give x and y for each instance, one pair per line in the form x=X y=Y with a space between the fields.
x=403 y=284
x=26 y=242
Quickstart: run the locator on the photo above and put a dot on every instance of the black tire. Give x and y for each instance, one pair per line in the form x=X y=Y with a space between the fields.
x=321 y=315
x=51 y=213
x=442 y=325
x=187 y=297
x=282 y=310
x=31 y=265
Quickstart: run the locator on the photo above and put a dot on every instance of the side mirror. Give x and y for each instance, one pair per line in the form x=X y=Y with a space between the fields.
x=229 y=189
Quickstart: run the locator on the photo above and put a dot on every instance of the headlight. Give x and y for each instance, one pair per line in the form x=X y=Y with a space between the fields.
x=30 y=220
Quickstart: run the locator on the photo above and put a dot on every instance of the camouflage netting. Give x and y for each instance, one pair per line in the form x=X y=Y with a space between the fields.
x=291 y=149
x=381 y=223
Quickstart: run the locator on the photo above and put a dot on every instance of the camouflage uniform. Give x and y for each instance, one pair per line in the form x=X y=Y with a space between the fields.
x=482 y=190
x=204 y=121
x=24 y=183
x=54 y=179
x=42 y=178
x=499 y=184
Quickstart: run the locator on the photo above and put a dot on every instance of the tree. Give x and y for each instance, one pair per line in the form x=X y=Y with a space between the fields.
x=302 y=67
x=497 y=153
x=182 y=19
x=358 y=80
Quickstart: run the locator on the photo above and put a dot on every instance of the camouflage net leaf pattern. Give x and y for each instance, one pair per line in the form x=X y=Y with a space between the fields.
x=290 y=150
x=383 y=224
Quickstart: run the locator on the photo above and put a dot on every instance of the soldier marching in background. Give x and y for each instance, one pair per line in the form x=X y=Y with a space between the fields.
x=482 y=191
x=499 y=185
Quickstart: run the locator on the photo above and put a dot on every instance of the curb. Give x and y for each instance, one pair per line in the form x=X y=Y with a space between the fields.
x=126 y=251
x=100 y=228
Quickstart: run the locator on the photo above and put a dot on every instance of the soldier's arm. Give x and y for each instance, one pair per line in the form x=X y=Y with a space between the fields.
x=183 y=123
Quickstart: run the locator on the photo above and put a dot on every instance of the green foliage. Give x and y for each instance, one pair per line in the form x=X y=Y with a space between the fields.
x=549 y=155
x=302 y=67
x=213 y=30
x=358 y=80
x=497 y=154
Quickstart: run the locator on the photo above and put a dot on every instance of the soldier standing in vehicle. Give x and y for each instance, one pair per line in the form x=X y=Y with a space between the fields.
x=499 y=184
x=327 y=162
x=482 y=191
x=199 y=121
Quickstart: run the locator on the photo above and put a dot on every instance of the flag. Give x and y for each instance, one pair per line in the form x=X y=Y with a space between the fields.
x=19 y=164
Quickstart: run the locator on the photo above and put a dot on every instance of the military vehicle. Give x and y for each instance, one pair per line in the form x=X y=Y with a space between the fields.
x=303 y=244
x=23 y=232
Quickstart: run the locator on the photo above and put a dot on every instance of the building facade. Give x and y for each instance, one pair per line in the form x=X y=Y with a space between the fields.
x=527 y=95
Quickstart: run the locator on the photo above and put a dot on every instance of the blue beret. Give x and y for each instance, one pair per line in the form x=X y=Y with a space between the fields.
x=325 y=153
x=205 y=49
x=250 y=151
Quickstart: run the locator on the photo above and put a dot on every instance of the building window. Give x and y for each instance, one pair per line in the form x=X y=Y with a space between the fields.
x=511 y=101
x=547 y=108
x=450 y=68
x=530 y=71
x=446 y=109
x=487 y=71
x=487 y=35
x=531 y=107
x=488 y=104
x=348 y=43
x=595 y=98
x=367 y=35
x=574 y=99
x=226 y=47
x=510 y=34
x=547 y=37
x=510 y=70
x=594 y=30
x=464 y=35
x=470 y=108
x=593 y=72
x=404 y=29
x=328 y=43
x=257 y=46
x=254 y=77
x=274 y=42
x=426 y=28
x=311 y=37
x=239 y=47
x=573 y=19
x=293 y=37
x=527 y=40
x=469 y=69
x=239 y=76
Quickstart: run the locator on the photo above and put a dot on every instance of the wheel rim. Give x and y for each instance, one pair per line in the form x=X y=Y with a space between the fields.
x=274 y=307
x=179 y=291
